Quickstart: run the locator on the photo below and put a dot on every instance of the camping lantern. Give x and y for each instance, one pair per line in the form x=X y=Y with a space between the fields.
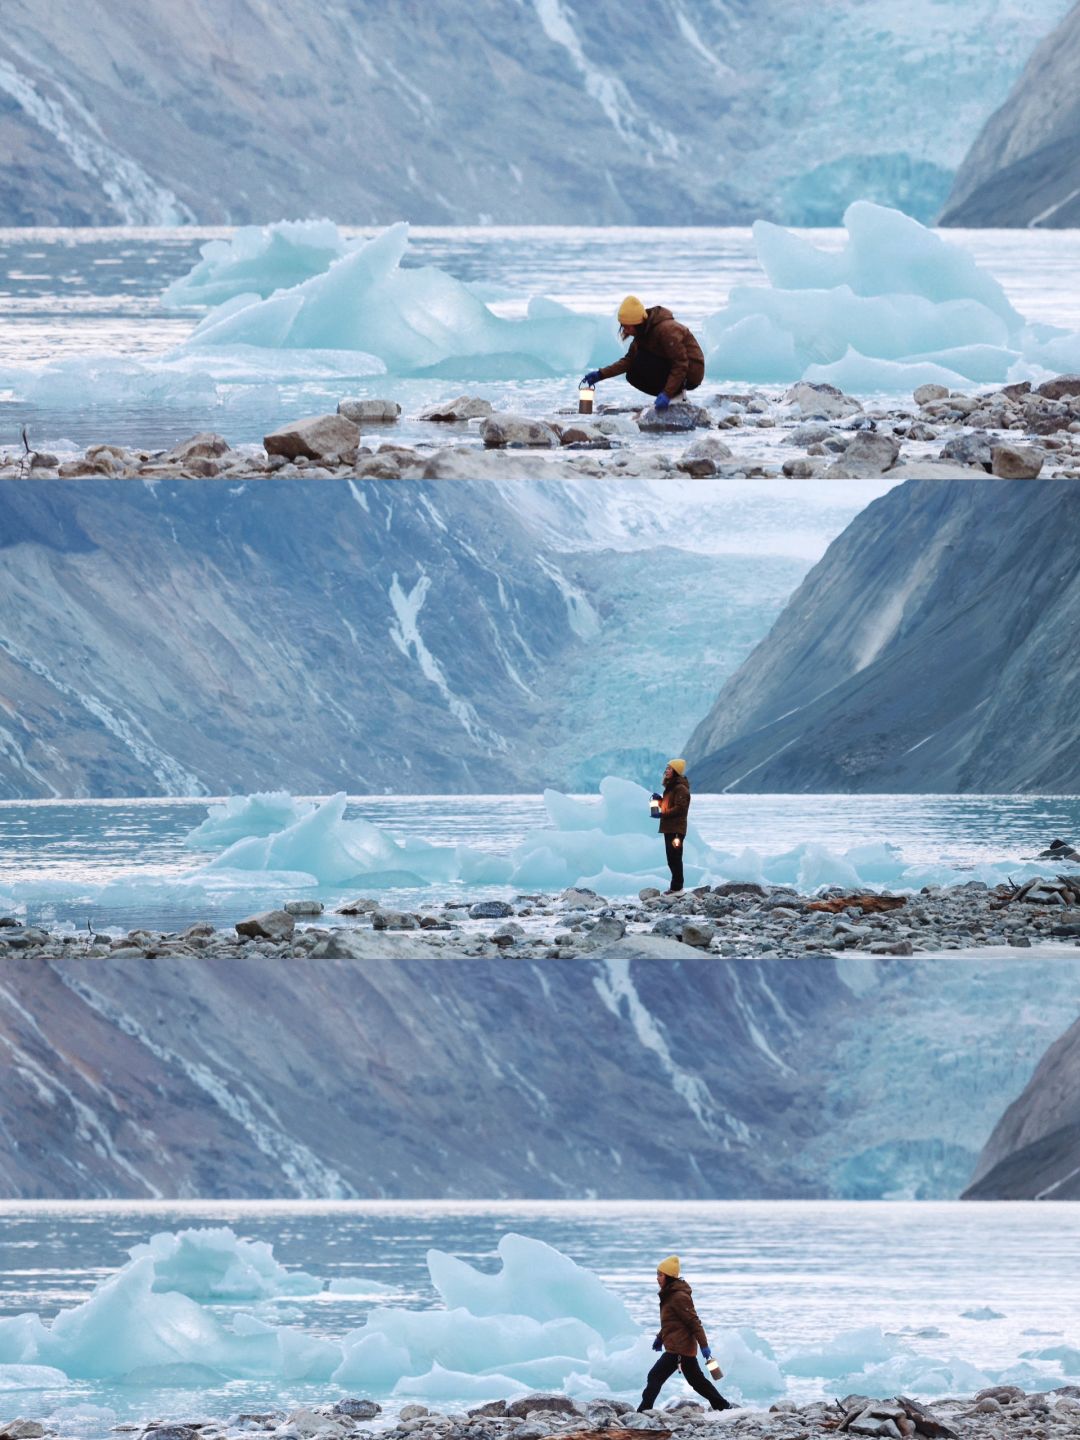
x=654 y=808
x=585 y=396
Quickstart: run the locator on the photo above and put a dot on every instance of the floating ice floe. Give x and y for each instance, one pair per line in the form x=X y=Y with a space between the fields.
x=257 y=260
x=899 y=306
x=609 y=845
x=416 y=322
x=213 y=1264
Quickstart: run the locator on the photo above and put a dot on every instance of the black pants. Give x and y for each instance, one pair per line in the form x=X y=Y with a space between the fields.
x=674 y=859
x=663 y=1370
x=649 y=373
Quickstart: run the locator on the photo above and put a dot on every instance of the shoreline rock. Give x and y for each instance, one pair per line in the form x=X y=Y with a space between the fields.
x=992 y=1414
x=1011 y=431
x=733 y=919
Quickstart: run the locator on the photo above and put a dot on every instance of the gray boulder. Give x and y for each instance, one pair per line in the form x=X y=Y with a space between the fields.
x=870 y=453
x=924 y=394
x=556 y=1404
x=303 y=907
x=490 y=910
x=696 y=934
x=330 y=439
x=465 y=407
x=578 y=898
x=205 y=446
x=499 y=431
x=270 y=925
x=975 y=448
x=705 y=455
x=358 y=1409
x=819 y=399
x=393 y=920
x=674 y=419
x=369 y=412
x=605 y=932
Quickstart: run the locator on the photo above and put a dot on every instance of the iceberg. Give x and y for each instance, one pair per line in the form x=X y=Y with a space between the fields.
x=898 y=306
x=609 y=844
x=257 y=260
x=242 y=816
x=541 y=1321
x=535 y=1280
x=415 y=321
x=213 y=1264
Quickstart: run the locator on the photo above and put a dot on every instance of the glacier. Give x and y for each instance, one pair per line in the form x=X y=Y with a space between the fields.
x=897 y=306
x=174 y=1315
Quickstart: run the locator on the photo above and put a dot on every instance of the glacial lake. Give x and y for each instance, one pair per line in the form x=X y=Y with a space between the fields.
x=929 y=1297
x=117 y=864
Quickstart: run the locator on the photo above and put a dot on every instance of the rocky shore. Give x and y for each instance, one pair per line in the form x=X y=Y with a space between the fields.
x=806 y=431
x=735 y=919
x=1002 y=1412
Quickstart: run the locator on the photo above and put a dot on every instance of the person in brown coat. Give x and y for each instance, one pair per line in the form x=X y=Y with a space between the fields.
x=664 y=358
x=680 y=1334
x=674 y=809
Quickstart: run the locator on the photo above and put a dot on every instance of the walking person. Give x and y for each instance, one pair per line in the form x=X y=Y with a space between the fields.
x=679 y=1336
x=664 y=358
x=674 y=809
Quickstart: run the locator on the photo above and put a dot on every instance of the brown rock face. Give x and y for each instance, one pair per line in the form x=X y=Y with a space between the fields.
x=1016 y=462
x=331 y=439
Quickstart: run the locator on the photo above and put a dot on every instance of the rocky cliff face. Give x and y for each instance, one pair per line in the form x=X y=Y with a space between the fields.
x=398 y=1078
x=931 y=649
x=1034 y=1152
x=1024 y=167
x=198 y=637
x=546 y=111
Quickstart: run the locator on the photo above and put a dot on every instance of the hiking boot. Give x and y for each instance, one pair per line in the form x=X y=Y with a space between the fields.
x=724 y=1405
x=672 y=892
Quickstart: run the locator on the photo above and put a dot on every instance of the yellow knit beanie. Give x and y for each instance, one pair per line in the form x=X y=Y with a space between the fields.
x=631 y=311
x=670 y=1266
x=679 y=766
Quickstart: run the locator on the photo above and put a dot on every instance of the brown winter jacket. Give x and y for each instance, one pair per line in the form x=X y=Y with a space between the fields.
x=675 y=806
x=663 y=335
x=680 y=1329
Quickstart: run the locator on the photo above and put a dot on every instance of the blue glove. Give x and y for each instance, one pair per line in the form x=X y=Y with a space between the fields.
x=658 y=1344
x=591 y=378
x=663 y=400
x=706 y=1352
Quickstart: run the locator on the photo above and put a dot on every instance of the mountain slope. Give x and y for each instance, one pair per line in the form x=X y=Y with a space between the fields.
x=1024 y=167
x=931 y=649
x=404 y=1078
x=1034 y=1152
x=198 y=637
x=544 y=111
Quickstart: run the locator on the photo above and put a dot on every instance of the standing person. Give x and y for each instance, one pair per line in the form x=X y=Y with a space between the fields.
x=674 y=809
x=680 y=1334
x=664 y=358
